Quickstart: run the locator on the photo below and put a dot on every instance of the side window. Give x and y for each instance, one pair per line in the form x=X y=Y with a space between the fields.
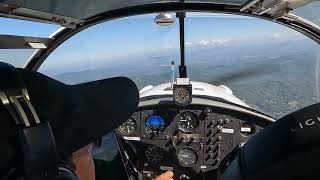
x=310 y=12
x=19 y=57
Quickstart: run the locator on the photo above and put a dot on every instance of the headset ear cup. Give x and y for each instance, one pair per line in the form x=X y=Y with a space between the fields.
x=66 y=173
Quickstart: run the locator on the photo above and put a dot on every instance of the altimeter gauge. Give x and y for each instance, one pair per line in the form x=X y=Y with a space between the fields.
x=187 y=121
x=129 y=127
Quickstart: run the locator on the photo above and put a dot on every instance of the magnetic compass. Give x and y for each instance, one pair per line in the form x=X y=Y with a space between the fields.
x=182 y=93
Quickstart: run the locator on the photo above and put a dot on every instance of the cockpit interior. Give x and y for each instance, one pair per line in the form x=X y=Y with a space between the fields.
x=203 y=89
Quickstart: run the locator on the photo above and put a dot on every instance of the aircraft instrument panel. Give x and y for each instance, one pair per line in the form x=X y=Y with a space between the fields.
x=191 y=141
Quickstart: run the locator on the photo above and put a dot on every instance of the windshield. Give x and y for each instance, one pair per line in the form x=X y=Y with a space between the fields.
x=115 y=48
x=270 y=67
x=19 y=57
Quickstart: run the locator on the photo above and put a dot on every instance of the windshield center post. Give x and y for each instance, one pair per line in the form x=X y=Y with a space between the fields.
x=182 y=67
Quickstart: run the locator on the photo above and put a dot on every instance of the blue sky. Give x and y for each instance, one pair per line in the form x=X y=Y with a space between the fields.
x=140 y=37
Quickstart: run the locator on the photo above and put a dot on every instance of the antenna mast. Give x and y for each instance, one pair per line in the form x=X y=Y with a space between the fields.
x=172 y=74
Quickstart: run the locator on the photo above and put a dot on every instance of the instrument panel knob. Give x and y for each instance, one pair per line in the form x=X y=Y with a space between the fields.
x=218 y=153
x=201 y=146
x=211 y=139
x=210 y=132
x=227 y=120
x=210 y=155
x=220 y=121
x=181 y=139
x=184 y=177
x=219 y=128
x=210 y=148
x=211 y=124
x=207 y=111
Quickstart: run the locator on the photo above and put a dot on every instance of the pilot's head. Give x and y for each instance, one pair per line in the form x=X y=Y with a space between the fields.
x=69 y=117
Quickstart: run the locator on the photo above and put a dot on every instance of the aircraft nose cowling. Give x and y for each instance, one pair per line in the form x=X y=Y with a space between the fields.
x=78 y=114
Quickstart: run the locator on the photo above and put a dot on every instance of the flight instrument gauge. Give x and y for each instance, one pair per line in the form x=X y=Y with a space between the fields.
x=129 y=127
x=187 y=121
x=182 y=94
x=187 y=156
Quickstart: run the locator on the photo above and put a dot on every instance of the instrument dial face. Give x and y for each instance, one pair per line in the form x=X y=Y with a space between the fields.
x=129 y=127
x=187 y=157
x=187 y=121
x=181 y=95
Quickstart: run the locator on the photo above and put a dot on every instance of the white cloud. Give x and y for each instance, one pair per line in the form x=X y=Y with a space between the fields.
x=211 y=42
x=204 y=42
x=286 y=35
x=275 y=35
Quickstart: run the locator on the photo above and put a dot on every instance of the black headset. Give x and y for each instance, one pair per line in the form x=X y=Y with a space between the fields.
x=38 y=156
